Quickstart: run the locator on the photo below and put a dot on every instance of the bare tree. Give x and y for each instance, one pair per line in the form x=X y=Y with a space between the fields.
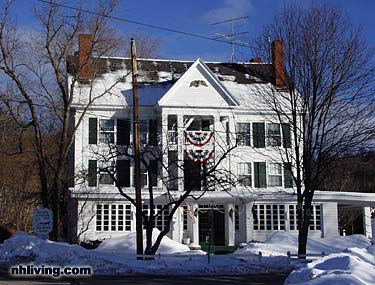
x=18 y=175
x=34 y=77
x=198 y=177
x=324 y=93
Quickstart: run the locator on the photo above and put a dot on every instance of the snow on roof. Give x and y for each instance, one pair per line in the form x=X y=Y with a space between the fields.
x=156 y=76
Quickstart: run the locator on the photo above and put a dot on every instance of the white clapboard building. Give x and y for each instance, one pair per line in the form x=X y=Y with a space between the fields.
x=191 y=113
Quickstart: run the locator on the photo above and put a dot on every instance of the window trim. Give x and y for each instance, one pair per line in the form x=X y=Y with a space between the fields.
x=113 y=217
x=145 y=171
x=279 y=135
x=103 y=132
x=280 y=175
x=249 y=174
x=240 y=135
x=112 y=165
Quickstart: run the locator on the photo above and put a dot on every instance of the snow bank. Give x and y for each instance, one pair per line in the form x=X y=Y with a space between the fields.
x=354 y=266
x=25 y=249
x=127 y=244
x=280 y=243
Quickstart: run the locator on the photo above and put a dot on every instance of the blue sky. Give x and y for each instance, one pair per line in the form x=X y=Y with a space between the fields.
x=197 y=16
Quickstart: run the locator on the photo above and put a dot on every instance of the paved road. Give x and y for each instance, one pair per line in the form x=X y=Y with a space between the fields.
x=272 y=279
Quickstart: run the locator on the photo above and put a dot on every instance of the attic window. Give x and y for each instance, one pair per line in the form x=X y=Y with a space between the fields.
x=197 y=83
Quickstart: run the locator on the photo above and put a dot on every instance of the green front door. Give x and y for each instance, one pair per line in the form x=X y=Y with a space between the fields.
x=211 y=219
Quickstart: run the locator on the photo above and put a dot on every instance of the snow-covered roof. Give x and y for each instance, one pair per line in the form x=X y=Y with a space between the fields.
x=157 y=76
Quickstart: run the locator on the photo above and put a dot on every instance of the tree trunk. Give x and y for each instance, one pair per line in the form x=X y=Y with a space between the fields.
x=304 y=224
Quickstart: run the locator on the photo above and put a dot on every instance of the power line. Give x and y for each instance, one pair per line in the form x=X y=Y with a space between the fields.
x=144 y=24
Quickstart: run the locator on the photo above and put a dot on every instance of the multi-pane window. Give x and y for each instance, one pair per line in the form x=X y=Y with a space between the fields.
x=150 y=175
x=107 y=131
x=143 y=132
x=292 y=218
x=269 y=217
x=172 y=129
x=275 y=174
x=236 y=218
x=243 y=134
x=106 y=170
x=113 y=217
x=315 y=220
x=144 y=176
x=260 y=217
x=148 y=132
x=161 y=215
x=274 y=134
x=244 y=174
x=185 y=219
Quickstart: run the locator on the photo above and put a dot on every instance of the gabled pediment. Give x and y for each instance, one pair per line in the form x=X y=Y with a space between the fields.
x=198 y=87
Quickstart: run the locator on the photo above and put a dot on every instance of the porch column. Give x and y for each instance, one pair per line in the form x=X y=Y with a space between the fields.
x=177 y=225
x=367 y=222
x=229 y=224
x=180 y=152
x=329 y=223
x=249 y=222
x=164 y=143
x=194 y=226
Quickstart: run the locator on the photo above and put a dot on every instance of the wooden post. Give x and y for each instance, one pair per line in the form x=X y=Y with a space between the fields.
x=136 y=141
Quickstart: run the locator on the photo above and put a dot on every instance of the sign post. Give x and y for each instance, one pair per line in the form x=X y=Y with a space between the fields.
x=42 y=223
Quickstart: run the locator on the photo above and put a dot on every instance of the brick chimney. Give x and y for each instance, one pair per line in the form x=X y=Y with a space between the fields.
x=278 y=62
x=84 y=55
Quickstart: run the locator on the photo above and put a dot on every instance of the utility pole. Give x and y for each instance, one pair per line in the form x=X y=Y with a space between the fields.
x=136 y=135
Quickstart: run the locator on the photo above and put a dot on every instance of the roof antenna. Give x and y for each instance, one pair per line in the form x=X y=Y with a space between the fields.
x=231 y=36
x=268 y=38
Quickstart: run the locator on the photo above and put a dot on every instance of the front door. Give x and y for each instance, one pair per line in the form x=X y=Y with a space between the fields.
x=211 y=219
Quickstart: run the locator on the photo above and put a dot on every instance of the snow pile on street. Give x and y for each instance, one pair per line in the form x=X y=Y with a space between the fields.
x=280 y=243
x=354 y=266
x=26 y=249
x=127 y=244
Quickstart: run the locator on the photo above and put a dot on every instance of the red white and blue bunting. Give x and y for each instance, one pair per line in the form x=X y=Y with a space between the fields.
x=198 y=138
x=199 y=155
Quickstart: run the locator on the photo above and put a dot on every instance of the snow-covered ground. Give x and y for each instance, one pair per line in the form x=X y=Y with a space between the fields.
x=113 y=258
x=281 y=242
x=351 y=259
x=354 y=266
x=127 y=244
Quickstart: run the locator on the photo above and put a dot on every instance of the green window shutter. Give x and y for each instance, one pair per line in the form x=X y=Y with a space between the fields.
x=92 y=173
x=123 y=132
x=260 y=174
x=259 y=138
x=153 y=132
x=93 y=130
x=288 y=178
x=123 y=173
x=286 y=135
x=153 y=172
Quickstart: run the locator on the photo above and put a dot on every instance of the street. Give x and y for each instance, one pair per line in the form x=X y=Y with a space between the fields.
x=270 y=279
